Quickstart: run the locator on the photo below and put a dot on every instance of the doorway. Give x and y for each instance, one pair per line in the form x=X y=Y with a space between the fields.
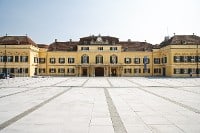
x=99 y=71
x=84 y=72
x=113 y=72
x=164 y=72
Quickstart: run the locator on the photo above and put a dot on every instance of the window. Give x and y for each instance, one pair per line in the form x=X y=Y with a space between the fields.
x=10 y=70
x=85 y=48
x=184 y=71
x=113 y=59
x=84 y=59
x=35 y=60
x=41 y=60
x=182 y=59
x=9 y=58
x=52 y=60
x=23 y=70
x=185 y=58
x=99 y=59
x=177 y=71
x=1 y=58
x=61 y=60
x=16 y=58
x=157 y=70
x=197 y=58
x=164 y=60
x=70 y=60
x=191 y=70
x=198 y=71
x=52 y=70
x=146 y=70
x=41 y=70
x=127 y=60
x=137 y=60
x=113 y=48
x=70 y=70
x=156 y=60
x=137 y=70
x=24 y=58
x=100 y=48
x=127 y=70
x=191 y=58
x=85 y=42
x=177 y=58
x=61 y=70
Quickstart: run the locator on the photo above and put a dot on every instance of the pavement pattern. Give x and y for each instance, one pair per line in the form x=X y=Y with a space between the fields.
x=100 y=105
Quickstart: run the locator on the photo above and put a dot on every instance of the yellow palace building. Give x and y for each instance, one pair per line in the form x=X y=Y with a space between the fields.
x=177 y=56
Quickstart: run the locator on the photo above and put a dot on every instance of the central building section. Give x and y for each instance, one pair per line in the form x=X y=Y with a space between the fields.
x=99 y=56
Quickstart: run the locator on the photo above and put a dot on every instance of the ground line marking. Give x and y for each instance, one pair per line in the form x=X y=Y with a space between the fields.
x=25 y=113
x=114 y=115
x=168 y=99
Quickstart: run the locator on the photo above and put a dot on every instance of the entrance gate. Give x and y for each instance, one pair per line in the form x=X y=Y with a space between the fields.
x=84 y=72
x=99 y=71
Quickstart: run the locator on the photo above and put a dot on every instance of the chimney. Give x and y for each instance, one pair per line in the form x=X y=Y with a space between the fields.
x=70 y=40
x=56 y=40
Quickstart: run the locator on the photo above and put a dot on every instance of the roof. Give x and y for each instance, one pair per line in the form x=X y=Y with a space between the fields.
x=63 y=46
x=43 y=46
x=181 y=39
x=16 y=40
x=98 y=40
x=136 y=46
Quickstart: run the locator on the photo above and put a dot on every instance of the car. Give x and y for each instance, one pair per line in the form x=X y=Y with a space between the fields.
x=11 y=75
x=6 y=75
x=2 y=75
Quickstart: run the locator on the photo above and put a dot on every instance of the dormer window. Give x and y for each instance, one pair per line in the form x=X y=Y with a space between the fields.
x=100 y=48
x=113 y=48
x=85 y=48
x=85 y=42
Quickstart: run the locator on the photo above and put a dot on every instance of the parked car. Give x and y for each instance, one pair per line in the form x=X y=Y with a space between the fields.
x=6 y=75
x=11 y=75
x=2 y=75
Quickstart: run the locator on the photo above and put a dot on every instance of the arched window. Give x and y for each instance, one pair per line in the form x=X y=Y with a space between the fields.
x=99 y=59
x=84 y=59
x=113 y=59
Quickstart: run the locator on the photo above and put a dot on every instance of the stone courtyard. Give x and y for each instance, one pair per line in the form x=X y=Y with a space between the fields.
x=99 y=105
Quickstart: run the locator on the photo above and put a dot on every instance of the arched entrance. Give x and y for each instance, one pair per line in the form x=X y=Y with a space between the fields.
x=113 y=72
x=99 y=71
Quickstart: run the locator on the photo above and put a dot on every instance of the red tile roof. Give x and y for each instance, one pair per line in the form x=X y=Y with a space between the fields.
x=136 y=46
x=181 y=39
x=16 y=40
x=63 y=46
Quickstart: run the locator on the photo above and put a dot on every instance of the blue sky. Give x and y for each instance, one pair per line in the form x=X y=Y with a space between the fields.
x=138 y=20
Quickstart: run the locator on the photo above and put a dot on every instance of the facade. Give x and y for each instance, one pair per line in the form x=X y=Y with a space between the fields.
x=177 y=56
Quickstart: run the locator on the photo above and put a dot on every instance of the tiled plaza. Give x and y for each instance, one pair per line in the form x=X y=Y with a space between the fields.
x=100 y=105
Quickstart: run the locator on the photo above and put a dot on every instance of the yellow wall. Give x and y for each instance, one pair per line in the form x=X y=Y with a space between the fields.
x=168 y=51
x=20 y=50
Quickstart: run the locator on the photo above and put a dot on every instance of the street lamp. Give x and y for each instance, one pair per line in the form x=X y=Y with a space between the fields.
x=198 y=58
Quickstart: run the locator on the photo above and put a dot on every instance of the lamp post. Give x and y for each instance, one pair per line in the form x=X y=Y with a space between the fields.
x=198 y=58
x=5 y=61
